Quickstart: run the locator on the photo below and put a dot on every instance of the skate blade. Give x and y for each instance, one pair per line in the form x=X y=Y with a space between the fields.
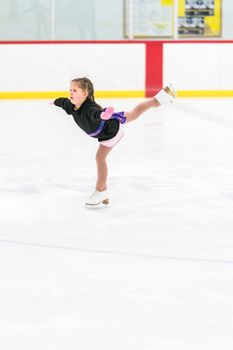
x=170 y=90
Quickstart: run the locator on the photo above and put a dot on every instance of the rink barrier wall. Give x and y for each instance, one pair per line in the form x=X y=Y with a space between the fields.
x=199 y=68
x=119 y=69
x=43 y=69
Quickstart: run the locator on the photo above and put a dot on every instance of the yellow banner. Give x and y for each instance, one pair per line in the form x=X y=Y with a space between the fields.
x=167 y=2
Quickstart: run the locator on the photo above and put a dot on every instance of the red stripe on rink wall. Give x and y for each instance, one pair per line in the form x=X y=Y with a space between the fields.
x=154 y=67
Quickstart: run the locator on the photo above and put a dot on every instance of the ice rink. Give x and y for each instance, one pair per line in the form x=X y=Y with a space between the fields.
x=154 y=269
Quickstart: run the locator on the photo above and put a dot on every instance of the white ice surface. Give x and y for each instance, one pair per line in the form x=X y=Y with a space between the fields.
x=154 y=270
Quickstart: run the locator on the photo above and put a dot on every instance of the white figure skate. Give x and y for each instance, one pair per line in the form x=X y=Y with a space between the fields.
x=98 y=198
x=167 y=94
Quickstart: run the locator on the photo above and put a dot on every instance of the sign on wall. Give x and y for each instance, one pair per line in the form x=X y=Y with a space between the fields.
x=155 y=18
x=148 y=18
x=199 y=18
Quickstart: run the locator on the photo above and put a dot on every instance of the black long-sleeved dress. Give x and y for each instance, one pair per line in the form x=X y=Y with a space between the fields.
x=87 y=116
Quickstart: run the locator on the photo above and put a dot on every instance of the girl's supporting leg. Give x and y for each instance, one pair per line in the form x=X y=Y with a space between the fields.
x=141 y=108
x=102 y=168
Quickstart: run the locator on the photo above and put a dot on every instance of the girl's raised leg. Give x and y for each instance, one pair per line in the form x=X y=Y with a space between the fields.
x=142 y=107
x=165 y=95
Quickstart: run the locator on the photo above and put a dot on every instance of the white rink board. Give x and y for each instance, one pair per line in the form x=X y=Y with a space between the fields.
x=203 y=66
x=114 y=66
x=50 y=67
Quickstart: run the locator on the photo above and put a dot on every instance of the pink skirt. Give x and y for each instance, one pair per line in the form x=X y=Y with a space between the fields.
x=112 y=142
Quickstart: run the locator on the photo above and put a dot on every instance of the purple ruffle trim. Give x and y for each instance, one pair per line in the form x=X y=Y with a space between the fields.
x=120 y=116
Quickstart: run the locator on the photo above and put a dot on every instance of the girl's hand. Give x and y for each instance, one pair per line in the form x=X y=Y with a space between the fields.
x=107 y=113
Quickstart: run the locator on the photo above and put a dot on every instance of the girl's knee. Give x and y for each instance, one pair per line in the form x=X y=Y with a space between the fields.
x=100 y=157
x=102 y=154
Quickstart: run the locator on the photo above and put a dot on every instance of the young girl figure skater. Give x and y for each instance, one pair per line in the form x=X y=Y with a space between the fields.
x=104 y=124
